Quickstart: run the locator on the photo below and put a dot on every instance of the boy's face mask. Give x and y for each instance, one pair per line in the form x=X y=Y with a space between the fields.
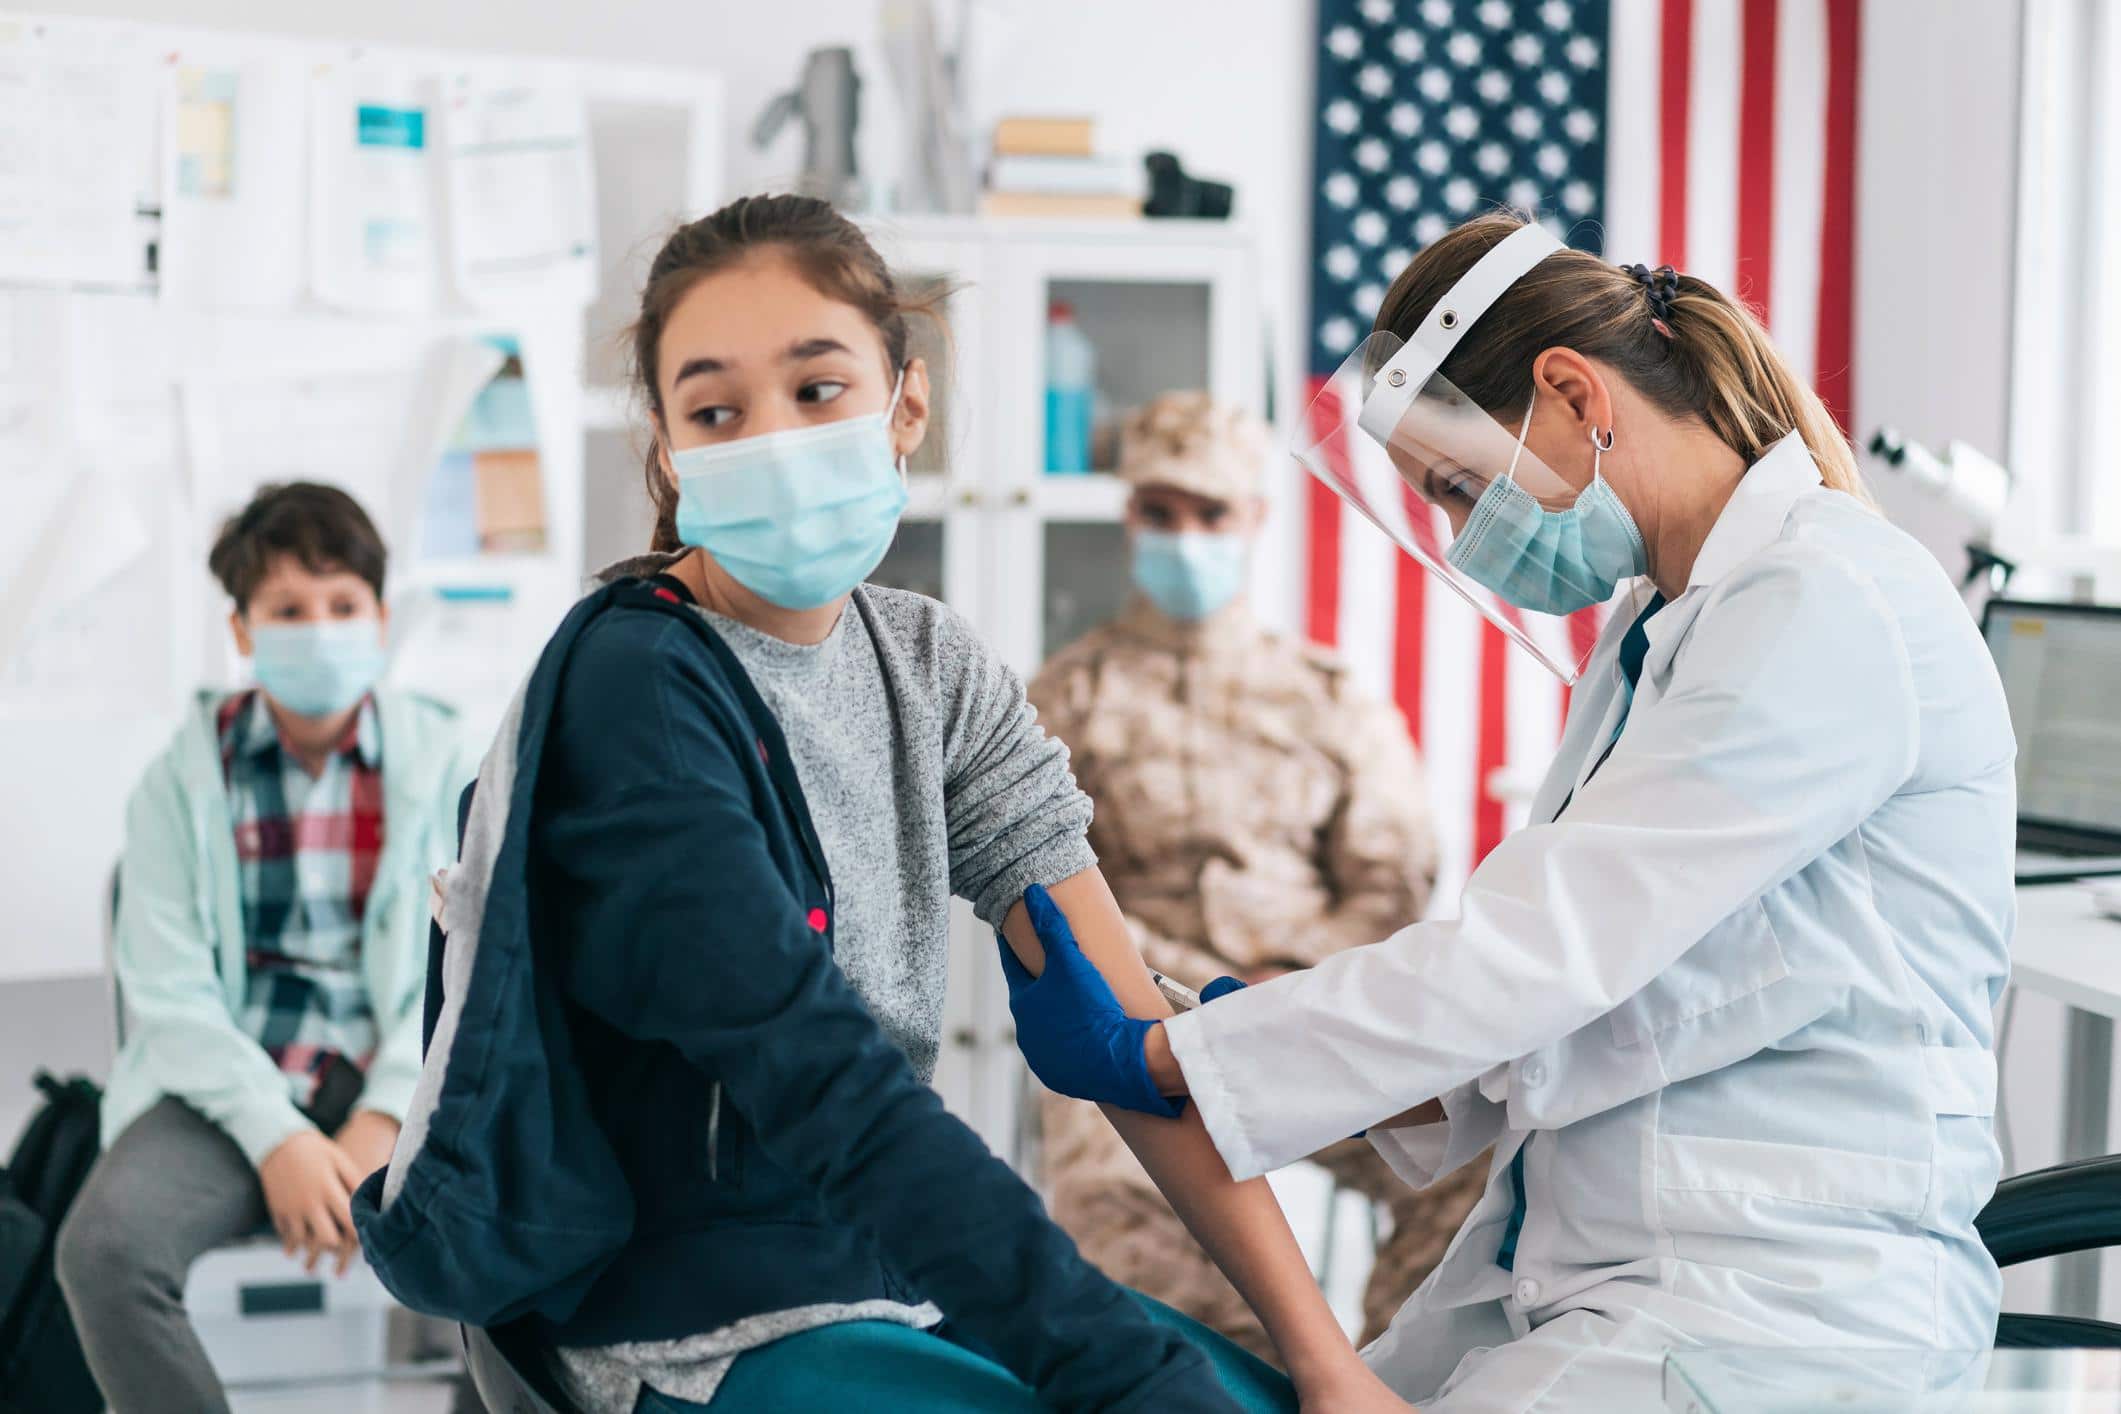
x=318 y=669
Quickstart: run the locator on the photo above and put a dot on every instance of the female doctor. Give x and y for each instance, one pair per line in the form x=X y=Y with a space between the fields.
x=1722 y=1011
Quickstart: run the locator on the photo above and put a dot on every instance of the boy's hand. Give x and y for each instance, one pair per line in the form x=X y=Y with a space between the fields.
x=308 y=1183
x=368 y=1136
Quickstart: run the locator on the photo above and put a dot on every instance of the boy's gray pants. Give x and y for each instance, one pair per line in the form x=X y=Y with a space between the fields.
x=170 y=1189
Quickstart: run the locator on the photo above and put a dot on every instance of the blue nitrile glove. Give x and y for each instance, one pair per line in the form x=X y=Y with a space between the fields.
x=1070 y=1027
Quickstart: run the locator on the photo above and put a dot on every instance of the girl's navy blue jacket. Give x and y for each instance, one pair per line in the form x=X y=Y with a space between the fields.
x=652 y=1103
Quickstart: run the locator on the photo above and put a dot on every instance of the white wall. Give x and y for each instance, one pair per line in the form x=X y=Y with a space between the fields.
x=1938 y=135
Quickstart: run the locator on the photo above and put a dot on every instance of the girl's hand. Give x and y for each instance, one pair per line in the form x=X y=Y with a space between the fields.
x=1353 y=1390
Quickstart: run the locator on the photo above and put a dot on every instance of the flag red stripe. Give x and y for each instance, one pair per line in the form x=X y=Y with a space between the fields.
x=1493 y=752
x=1410 y=621
x=1409 y=607
x=1837 y=225
x=1756 y=159
x=1675 y=64
x=1322 y=571
x=1322 y=603
x=1584 y=625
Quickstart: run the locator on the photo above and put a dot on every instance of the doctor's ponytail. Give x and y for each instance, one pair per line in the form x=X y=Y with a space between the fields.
x=835 y=259
x=1685 y=346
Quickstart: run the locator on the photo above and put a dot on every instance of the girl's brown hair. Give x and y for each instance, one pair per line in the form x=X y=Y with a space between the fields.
x=829 y=250
x=1716 y=364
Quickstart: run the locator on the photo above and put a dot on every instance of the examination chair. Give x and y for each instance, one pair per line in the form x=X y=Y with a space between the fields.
x=869 y=1365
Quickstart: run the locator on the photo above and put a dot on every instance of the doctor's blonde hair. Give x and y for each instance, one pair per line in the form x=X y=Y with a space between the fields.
x=1716 y=364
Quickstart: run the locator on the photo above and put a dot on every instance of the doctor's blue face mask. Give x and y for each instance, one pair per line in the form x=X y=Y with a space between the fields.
x=1549 y=561
x=797 y=517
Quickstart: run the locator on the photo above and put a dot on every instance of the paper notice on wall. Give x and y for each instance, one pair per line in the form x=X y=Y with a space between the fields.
x=234 y=184
x=346 y=428
x=373 y=239
x=120 y=393
x=522 y=199
x=32 y=394
x=63 y=542
x=76 y=138
x=435 y=500
x=86 y=495
x=485 y=489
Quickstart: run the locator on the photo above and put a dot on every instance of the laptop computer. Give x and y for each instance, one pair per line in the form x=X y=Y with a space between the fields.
x=2061 y=670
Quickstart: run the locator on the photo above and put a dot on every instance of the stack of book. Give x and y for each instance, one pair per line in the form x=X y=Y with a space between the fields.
x=1049 y=167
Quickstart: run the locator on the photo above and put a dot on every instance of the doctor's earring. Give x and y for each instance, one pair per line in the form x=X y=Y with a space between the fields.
x=1599 y=447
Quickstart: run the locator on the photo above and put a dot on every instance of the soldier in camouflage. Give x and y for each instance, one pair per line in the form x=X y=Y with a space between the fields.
x=1256 y=812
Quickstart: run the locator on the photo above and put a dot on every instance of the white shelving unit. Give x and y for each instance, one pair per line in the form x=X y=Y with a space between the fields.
x=1031 y=559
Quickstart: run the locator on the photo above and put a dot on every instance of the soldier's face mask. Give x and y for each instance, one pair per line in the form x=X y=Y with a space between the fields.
x=1189 y=574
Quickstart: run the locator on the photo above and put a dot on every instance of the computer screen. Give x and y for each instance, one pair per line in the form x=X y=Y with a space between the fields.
x=2061 y=668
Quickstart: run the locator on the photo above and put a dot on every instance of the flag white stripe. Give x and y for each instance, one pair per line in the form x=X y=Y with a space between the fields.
x=1534 y=712
x=1800 y=179
x=1451 y=735
x=1369 y=607
x=1633 y=179
x=1712 y=144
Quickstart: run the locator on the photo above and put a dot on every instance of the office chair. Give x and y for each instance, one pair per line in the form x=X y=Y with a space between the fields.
x=2074 y=1207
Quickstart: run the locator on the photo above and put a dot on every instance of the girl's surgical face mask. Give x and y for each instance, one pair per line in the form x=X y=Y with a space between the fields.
x=797 y=516
x=785 y=426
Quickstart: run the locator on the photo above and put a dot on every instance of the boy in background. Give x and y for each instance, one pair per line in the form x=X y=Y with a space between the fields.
x=272 y=916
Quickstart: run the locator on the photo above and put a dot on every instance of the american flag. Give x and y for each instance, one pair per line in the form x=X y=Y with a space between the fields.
x=1717 y=136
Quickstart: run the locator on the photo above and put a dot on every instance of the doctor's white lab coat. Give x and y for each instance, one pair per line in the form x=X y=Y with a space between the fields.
x=1735 y=1006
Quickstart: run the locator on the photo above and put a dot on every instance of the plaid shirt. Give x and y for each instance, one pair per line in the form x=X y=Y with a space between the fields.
x=306 y=849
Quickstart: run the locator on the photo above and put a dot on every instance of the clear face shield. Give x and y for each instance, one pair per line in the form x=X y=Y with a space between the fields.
x=1460 y=493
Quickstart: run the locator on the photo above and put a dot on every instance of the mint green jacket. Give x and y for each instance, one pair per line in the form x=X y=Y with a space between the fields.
x=180 y=949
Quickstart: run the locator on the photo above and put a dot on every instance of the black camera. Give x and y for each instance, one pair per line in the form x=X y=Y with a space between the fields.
x=1175 y=192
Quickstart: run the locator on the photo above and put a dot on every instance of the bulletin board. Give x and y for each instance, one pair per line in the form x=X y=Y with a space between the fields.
x=230 y=259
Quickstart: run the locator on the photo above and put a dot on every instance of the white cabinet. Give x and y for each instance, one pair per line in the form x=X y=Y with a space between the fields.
x=1031 y=559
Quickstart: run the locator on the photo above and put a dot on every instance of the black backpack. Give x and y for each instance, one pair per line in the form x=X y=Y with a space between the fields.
x=41 y=1368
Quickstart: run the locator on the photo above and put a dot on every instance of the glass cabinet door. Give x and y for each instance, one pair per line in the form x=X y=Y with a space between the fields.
x=1144 y=337
x=1087 y=579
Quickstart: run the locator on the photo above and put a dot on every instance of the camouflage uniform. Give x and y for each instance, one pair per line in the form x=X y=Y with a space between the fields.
x=1254 y=811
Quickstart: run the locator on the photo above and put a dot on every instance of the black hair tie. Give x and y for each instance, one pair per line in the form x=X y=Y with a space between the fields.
x=1662 y=286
